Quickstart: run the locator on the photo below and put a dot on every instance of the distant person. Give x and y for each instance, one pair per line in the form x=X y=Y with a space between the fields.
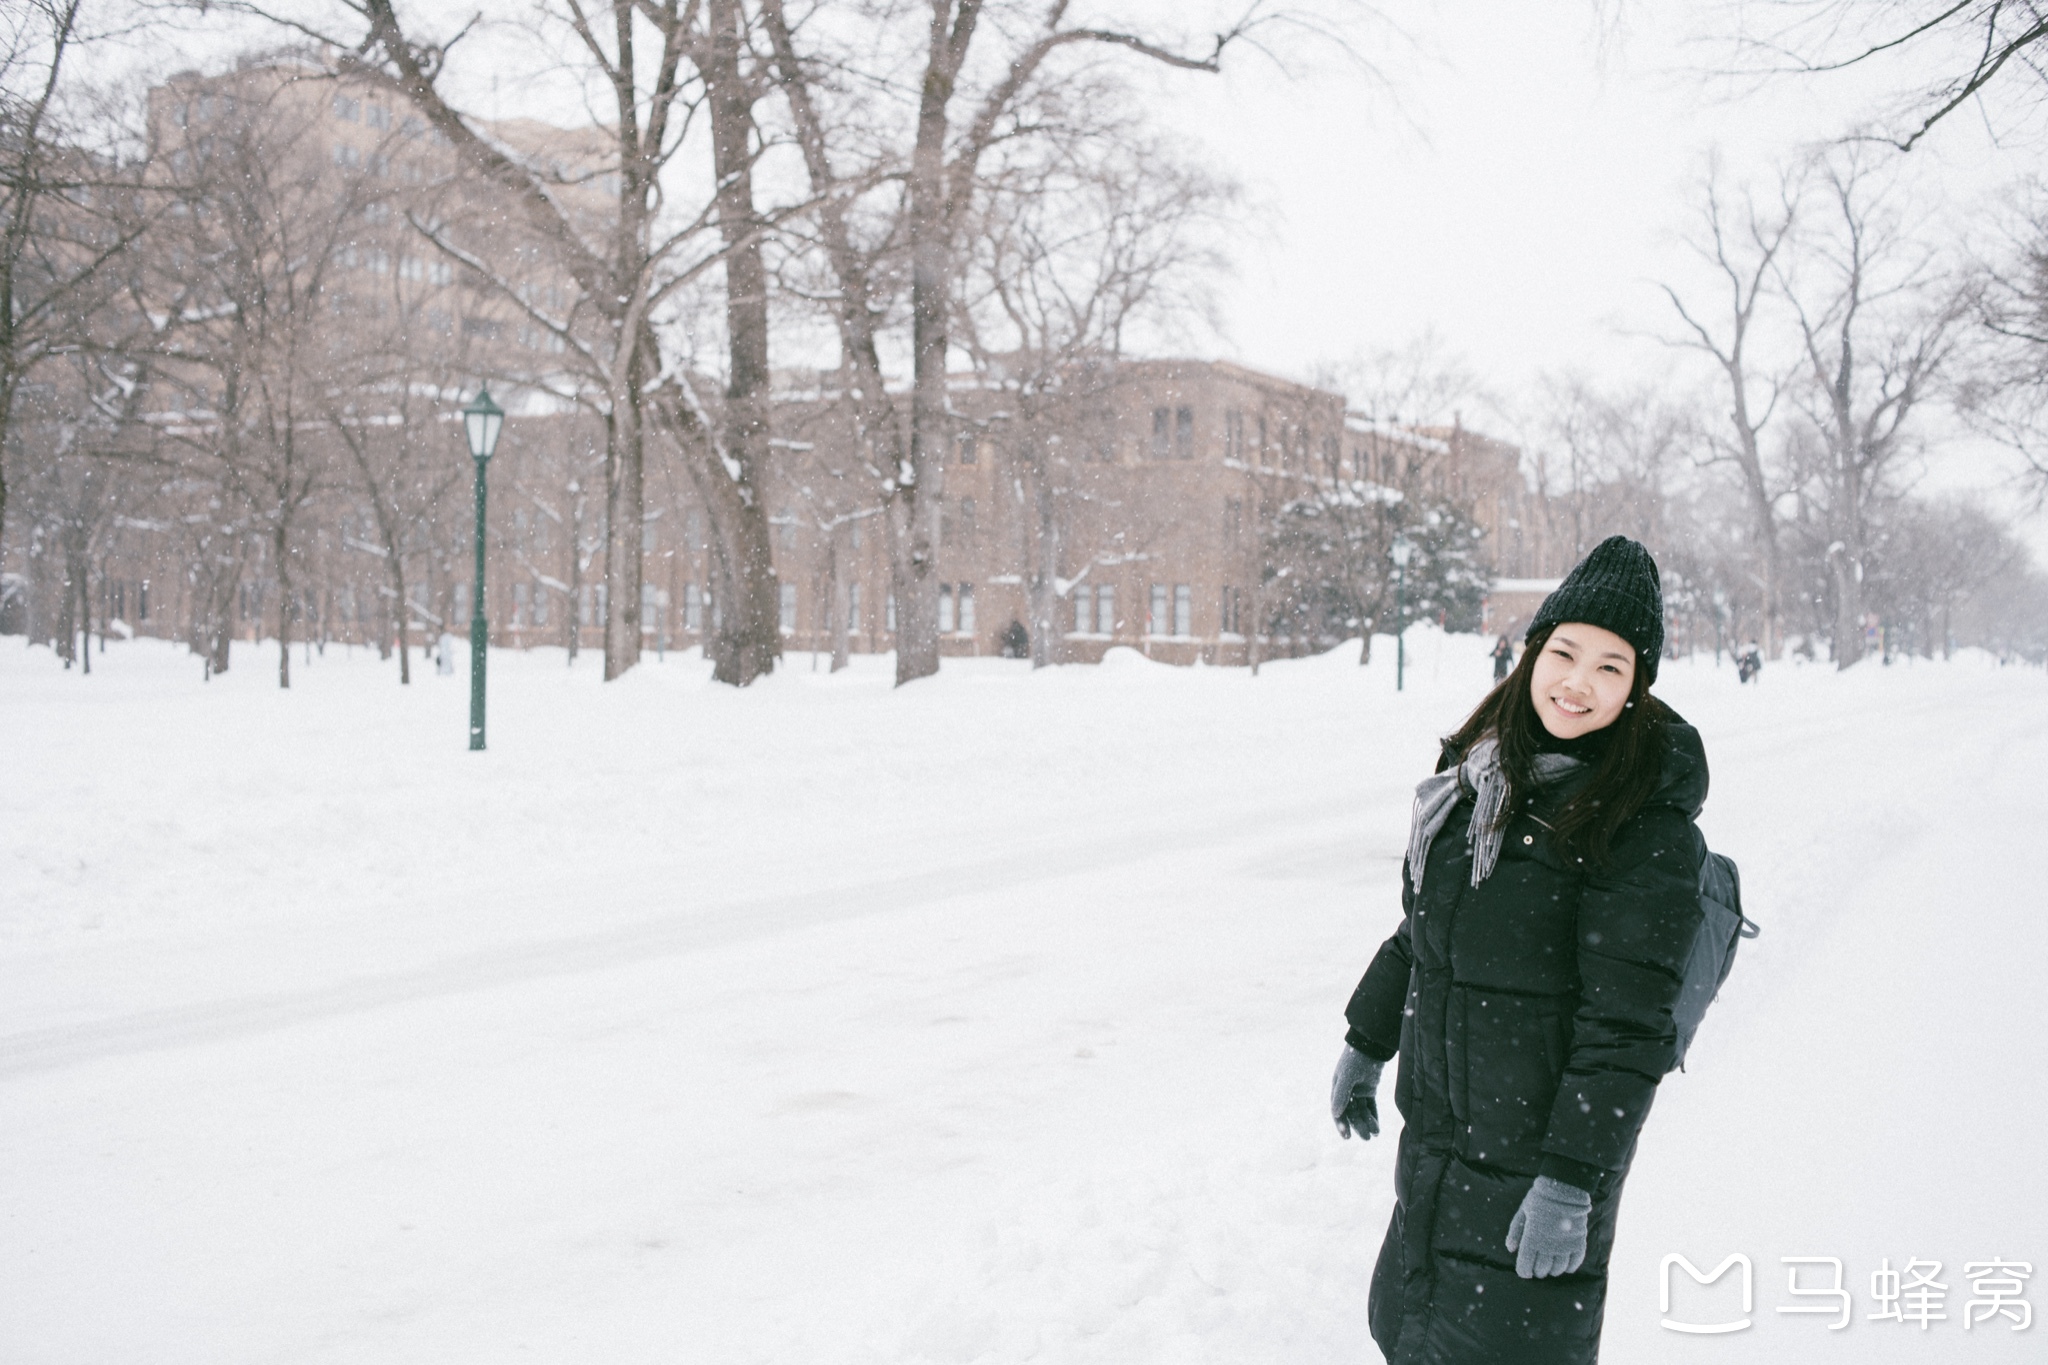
x=1550 y=898
x=1503 y=657
x=444 y=654
x=1749 y=662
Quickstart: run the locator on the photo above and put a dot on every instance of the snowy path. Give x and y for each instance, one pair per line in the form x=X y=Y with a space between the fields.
x=989 y=1020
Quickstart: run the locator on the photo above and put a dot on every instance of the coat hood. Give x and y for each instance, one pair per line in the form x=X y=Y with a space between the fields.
x=1684 y=783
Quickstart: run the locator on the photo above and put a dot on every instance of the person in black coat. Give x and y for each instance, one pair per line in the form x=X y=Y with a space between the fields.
x=1550 y=897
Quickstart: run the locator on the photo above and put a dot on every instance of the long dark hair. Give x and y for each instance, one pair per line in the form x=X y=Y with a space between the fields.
x=1623 y=781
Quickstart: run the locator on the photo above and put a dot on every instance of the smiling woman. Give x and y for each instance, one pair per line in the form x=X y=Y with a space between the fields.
x=1550 y=895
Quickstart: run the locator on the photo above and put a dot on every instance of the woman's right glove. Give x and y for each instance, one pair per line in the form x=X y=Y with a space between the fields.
x=1353 y=1094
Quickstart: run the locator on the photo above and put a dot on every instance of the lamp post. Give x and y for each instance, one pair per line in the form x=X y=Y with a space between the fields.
x=481 y=422
x=1403 y=551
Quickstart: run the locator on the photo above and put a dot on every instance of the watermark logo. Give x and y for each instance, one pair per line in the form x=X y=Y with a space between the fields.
x=1833 y=1291
x=1914 y=1295
x=1705 y=1329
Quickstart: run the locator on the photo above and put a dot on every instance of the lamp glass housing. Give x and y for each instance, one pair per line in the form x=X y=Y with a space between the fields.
x=481 y=422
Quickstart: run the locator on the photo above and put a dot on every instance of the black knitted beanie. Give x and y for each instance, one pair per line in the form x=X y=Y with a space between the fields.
x=1616 y=588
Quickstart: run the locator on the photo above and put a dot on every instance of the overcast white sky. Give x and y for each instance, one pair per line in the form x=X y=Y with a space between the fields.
x=1522 y=188
x=1516 y=181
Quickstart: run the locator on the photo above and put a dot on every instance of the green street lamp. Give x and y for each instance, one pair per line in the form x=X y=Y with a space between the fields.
x=1403 y=551
x=481 y=422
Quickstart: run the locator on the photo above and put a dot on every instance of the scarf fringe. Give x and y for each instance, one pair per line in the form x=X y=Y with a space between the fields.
x=1481 y=777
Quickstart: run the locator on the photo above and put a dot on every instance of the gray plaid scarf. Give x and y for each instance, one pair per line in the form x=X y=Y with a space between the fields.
x=1479 y=776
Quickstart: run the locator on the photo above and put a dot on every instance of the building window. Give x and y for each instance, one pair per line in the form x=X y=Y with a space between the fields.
x=1105 y=610
x=521 y=594
x=346 y=109
x=945 y=608
x=1155 y=623
x=1183 y=609
x=1233 y=434
x=377 y=116
x=460 y=611
x=1084 y=610
x=650 y=608
x=853 y=609
x=647 y=537
x=693 y=529
x=788 y=616
x=1228 y=614
x=345 y=155
x=1161 y=431
x=540 y=604
x=967 y=609
x=142 y=601
x=965 y=529
x=693 y=608
x=966 y=446
x=1184 y=433
x=1264 y=456
x=889 y=613
x=586 y=611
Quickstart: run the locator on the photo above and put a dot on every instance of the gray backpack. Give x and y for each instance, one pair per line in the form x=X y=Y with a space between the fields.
x=1723 y=926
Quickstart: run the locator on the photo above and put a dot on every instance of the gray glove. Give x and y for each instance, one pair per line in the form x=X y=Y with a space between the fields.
x=1548 y=1234
x=1352 y=1094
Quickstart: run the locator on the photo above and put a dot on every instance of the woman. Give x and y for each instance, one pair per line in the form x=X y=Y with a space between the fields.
x=1551 y=893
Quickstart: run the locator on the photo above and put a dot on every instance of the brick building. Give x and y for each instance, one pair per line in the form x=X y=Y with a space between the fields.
x=1124 y=506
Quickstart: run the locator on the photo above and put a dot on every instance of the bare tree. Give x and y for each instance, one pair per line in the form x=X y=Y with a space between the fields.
x=1741 y=244
x=936 y=166
x=245 y=274
x=1955 y=51
x=628 y=264
x=1878 y=319
x=68 y=216
x=1068 y=254
x=2006 y=394
x=381 y=404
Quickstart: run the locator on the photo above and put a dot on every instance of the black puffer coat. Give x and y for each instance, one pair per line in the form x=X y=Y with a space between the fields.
x=1532 y=1014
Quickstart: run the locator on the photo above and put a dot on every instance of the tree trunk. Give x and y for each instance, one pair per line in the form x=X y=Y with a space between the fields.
x=1046 y=635
x=840 y=624
x=82 y=576
x=574 y=614
x=280 y=542
x=67 y=613
x=749 y=639
x=625 y=513
x=404 y=624
x=1845 y=564
x=913 y=566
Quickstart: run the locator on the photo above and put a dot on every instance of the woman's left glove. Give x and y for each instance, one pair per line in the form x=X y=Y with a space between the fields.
x=1353 y=1094
x=1548 y=1234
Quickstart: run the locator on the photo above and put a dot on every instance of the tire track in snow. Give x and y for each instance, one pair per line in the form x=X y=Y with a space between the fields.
x=43 y=1049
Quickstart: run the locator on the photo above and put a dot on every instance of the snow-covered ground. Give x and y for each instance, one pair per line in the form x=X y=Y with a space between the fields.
x=986 y=1020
